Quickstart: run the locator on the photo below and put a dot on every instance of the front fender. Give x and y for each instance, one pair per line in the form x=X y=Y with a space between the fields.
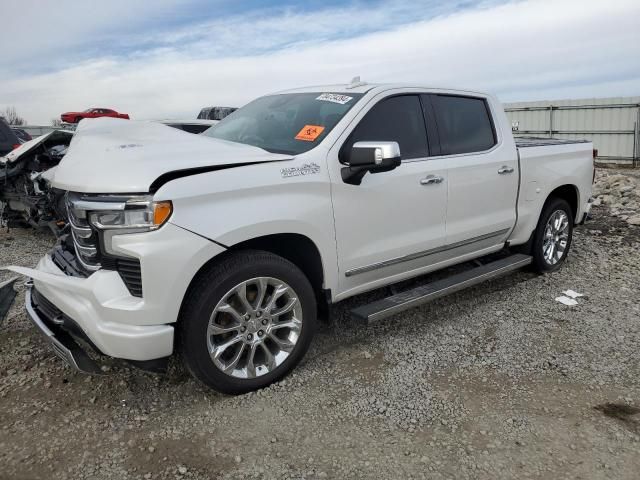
x=239 y=204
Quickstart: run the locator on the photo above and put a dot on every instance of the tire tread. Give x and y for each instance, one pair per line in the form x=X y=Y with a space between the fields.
x=213 y=275
x=553 y=203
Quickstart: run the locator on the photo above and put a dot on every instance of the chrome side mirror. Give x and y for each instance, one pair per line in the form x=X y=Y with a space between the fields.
x=373 y=157
x=374 y=154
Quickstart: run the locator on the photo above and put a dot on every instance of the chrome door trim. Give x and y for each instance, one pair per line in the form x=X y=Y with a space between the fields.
x=431 y=180
x=505 y=169
x=424 y=253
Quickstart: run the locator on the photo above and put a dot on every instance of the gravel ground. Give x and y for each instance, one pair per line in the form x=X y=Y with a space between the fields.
x=499 y=381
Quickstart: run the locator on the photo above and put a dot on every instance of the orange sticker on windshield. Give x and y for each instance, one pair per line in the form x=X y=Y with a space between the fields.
x=309 y=133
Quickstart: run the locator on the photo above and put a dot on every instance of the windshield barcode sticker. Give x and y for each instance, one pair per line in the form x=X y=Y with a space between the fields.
x=335 y=98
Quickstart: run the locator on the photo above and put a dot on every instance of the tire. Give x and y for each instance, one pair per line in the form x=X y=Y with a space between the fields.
x=214 y=316
x=553 y=236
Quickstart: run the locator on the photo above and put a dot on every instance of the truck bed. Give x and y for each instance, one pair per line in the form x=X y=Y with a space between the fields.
x=523 y=142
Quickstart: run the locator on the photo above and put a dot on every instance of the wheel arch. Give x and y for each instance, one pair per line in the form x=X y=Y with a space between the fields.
x=297 y=248
x=570 y=194
x=566 y=191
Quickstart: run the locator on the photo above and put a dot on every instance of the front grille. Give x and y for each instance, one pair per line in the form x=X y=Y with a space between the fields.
x=64 y=256
x=129 y=270
x=85 y=239
x=86 y=244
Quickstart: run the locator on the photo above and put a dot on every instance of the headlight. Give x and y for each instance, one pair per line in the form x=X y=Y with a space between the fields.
x=136 y=214
x=95 y=219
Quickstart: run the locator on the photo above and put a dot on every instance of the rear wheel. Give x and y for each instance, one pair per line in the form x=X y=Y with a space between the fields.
x=247 y=322
x=552 y=239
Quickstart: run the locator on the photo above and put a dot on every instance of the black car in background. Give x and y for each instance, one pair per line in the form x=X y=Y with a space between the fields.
x=21 y=134
x=8 y=139
x=215 y=113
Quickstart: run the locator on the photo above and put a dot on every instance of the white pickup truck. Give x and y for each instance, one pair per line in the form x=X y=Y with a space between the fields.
x=224 y=246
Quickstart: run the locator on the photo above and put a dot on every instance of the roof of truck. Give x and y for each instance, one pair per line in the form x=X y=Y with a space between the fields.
x=364 y=87
x=339 y=87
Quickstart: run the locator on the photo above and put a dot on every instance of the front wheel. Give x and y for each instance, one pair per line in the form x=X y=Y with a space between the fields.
x=553 y=236
x=247 y=322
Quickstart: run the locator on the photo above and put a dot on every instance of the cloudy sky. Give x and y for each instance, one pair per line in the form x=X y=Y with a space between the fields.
x=169 y=58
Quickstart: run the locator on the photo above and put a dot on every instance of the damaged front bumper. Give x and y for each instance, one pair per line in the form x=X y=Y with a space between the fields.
x=61 y=342
x=62 y=333
x=100 y=309
x=100 y=312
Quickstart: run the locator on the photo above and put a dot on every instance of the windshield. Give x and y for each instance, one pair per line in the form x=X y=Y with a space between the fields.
x=290 y=123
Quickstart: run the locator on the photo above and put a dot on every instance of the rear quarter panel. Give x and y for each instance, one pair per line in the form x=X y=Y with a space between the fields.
x=542 y=170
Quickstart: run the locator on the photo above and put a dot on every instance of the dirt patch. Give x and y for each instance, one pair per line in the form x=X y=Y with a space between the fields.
x=627 y=414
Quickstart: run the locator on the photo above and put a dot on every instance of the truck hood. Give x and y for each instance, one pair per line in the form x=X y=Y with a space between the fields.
x=109 y=155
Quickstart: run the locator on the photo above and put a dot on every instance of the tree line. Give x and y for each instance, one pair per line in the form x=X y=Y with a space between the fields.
x=12 y=117
x=10 y=114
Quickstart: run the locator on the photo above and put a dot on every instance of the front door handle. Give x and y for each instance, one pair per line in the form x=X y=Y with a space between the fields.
x=431 y=180
x=504 y=170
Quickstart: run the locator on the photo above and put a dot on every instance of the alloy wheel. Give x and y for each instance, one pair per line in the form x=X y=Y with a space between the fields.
x=254 y=327
x=556 y=237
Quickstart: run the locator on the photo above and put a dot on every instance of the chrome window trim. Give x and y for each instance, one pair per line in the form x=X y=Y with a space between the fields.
x=453 y=155
x=386 y=93
x=492 y=118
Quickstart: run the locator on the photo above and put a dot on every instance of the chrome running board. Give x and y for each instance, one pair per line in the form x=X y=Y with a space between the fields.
x=381 y=309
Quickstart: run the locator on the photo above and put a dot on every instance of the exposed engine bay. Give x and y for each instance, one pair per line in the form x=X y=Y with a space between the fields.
x=26 y=195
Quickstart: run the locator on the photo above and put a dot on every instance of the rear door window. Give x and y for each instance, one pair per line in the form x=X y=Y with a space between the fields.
x=394 y=119
x=464 y=124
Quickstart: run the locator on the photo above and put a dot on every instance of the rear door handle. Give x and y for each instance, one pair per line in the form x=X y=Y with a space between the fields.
x=431 y=180
x=504 y=170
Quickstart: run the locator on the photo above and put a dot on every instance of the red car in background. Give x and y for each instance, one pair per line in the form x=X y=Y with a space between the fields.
x=75 y=117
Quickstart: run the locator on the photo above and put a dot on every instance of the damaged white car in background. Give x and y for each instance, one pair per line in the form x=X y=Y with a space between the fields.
x=26 y=195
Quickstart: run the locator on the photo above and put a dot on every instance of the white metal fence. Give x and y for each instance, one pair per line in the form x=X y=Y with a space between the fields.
x=612 y=124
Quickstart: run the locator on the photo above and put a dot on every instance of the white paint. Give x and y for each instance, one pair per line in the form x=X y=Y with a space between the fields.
x=549 y=168
x=103 y=149
x=388 y=216
x=119 y=324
